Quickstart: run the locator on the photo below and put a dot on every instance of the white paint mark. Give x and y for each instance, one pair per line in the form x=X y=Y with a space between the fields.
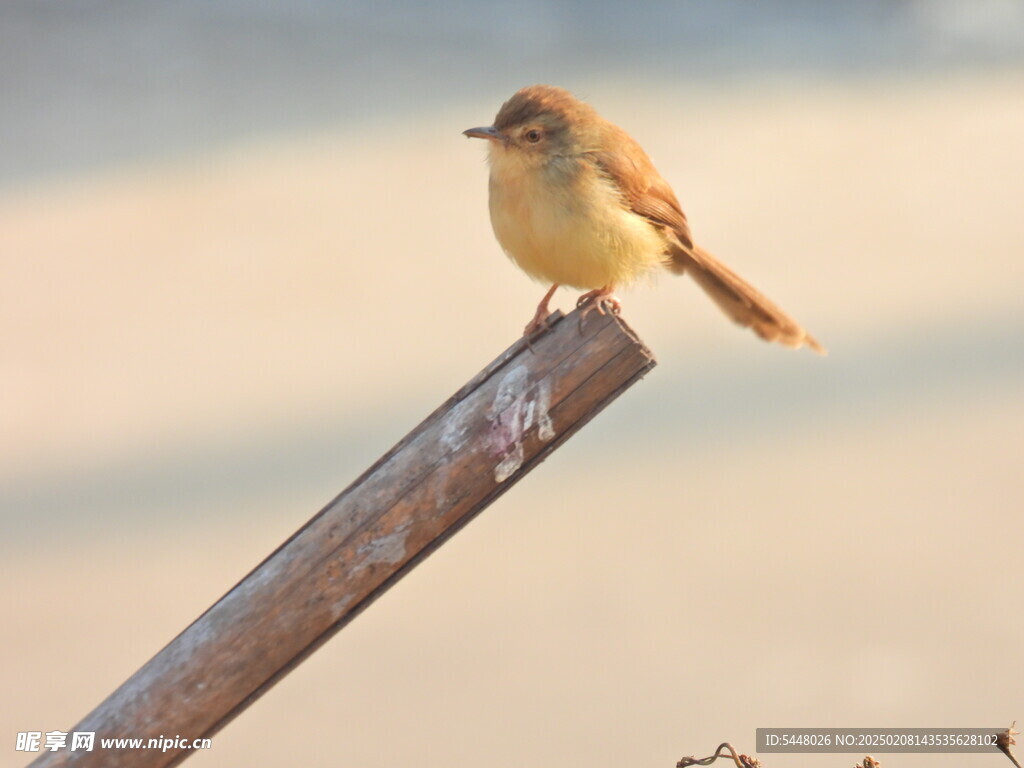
x=388 y=549
x=515 y=409
x=545 y=429
x=510 y=388
x=453 y=433
x=507 y=466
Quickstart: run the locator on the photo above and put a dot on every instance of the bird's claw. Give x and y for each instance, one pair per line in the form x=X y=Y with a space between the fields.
x=538 y=325
x=602 y=300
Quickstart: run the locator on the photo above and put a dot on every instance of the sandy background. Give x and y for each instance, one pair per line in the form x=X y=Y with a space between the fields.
x=198 y=351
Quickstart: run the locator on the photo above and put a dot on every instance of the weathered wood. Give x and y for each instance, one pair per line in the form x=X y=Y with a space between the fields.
x=493 y=431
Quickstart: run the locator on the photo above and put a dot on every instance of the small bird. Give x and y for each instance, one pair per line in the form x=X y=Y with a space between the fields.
x=575 y=201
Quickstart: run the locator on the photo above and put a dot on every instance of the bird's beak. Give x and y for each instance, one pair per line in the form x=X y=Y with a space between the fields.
x=487 y=132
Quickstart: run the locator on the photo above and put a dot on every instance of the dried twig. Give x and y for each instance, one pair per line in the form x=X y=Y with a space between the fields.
x=742 y=761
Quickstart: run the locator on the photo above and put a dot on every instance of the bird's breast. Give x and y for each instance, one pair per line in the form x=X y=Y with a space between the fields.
x=565 y=222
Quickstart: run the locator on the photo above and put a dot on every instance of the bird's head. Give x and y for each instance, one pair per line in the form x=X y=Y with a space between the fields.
x=539 y=123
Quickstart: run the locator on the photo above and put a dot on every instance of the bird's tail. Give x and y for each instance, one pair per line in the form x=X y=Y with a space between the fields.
x=740 y=300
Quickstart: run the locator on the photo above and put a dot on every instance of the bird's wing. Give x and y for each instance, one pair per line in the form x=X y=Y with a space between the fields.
x=643 y=189
x=649 y=195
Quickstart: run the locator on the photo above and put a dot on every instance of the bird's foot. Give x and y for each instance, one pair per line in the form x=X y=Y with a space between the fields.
x=601 y=300
x=539 y=323
x=538 y=326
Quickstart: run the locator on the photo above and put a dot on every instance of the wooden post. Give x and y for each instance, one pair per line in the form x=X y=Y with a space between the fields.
x=487 y=436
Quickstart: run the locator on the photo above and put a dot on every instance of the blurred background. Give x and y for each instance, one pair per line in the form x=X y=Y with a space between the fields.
x=244 y=249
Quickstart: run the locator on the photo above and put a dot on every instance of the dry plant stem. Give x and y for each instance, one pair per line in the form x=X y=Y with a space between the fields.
x=741 y=761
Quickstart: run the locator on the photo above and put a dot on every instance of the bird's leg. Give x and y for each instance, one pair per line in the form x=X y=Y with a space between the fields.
x=601 y=299
x=540 y=317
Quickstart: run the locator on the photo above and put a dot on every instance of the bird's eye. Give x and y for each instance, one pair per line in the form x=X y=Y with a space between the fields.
x=533 y=136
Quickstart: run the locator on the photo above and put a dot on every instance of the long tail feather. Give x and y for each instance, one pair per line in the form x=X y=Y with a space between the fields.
x=740 y=300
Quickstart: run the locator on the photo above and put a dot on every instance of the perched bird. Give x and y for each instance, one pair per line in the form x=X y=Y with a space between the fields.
x=575 y=201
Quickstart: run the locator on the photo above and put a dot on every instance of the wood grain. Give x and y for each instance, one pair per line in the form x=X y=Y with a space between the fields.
x=474 y=447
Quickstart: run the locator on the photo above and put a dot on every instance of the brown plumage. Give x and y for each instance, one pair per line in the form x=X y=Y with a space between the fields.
x=576 y=201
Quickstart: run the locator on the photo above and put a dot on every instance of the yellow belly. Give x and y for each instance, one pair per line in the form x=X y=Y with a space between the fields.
x=570 y=228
